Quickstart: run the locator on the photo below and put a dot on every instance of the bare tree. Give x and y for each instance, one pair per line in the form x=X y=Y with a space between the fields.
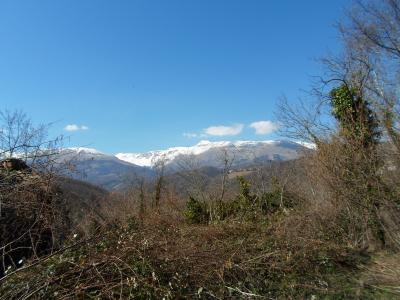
x=30 y=212
x=159 y=166
x=372 y=33
x=368 y=70
x=20 y=138
x=227 y=159
x=195 y=180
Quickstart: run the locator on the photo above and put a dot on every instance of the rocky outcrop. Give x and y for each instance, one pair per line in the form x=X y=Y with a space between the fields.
x=14 y=164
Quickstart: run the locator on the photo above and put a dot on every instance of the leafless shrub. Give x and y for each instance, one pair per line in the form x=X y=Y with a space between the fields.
x=33 y=216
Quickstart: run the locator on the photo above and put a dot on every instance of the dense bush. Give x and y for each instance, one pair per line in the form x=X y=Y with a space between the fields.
x=244 y=206
x=196 y=212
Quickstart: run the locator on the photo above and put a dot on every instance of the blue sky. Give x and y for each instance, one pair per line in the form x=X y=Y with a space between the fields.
x=139 y=75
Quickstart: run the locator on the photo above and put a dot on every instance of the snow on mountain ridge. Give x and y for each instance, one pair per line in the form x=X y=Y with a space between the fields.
x=85 y=150
x=170 y=155
x=150 y=158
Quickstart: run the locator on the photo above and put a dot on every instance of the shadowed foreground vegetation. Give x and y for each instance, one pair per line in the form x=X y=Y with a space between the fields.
x=273 y=246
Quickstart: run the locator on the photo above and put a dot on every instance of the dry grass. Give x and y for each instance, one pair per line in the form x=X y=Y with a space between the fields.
x=383 y=274
x=160 y=256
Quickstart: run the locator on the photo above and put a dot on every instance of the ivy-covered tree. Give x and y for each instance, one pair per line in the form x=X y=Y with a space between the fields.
x=359 y=158
x=358 y=123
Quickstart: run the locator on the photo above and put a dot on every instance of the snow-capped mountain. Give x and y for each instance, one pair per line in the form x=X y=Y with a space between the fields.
x=148 y=159
x=208 y=153
x=101 y=169
x=110 y=171
x=85 y=151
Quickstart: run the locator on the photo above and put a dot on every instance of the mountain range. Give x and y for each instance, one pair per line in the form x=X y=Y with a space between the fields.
x=112 y=171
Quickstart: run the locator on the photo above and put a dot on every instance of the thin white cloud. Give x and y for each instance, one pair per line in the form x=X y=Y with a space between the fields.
x=190 y=135
x=264 y=127
x=224 y=130
x=75 y=127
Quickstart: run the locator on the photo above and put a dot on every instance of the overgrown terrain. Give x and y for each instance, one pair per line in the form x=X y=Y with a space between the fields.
x=277 y=245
